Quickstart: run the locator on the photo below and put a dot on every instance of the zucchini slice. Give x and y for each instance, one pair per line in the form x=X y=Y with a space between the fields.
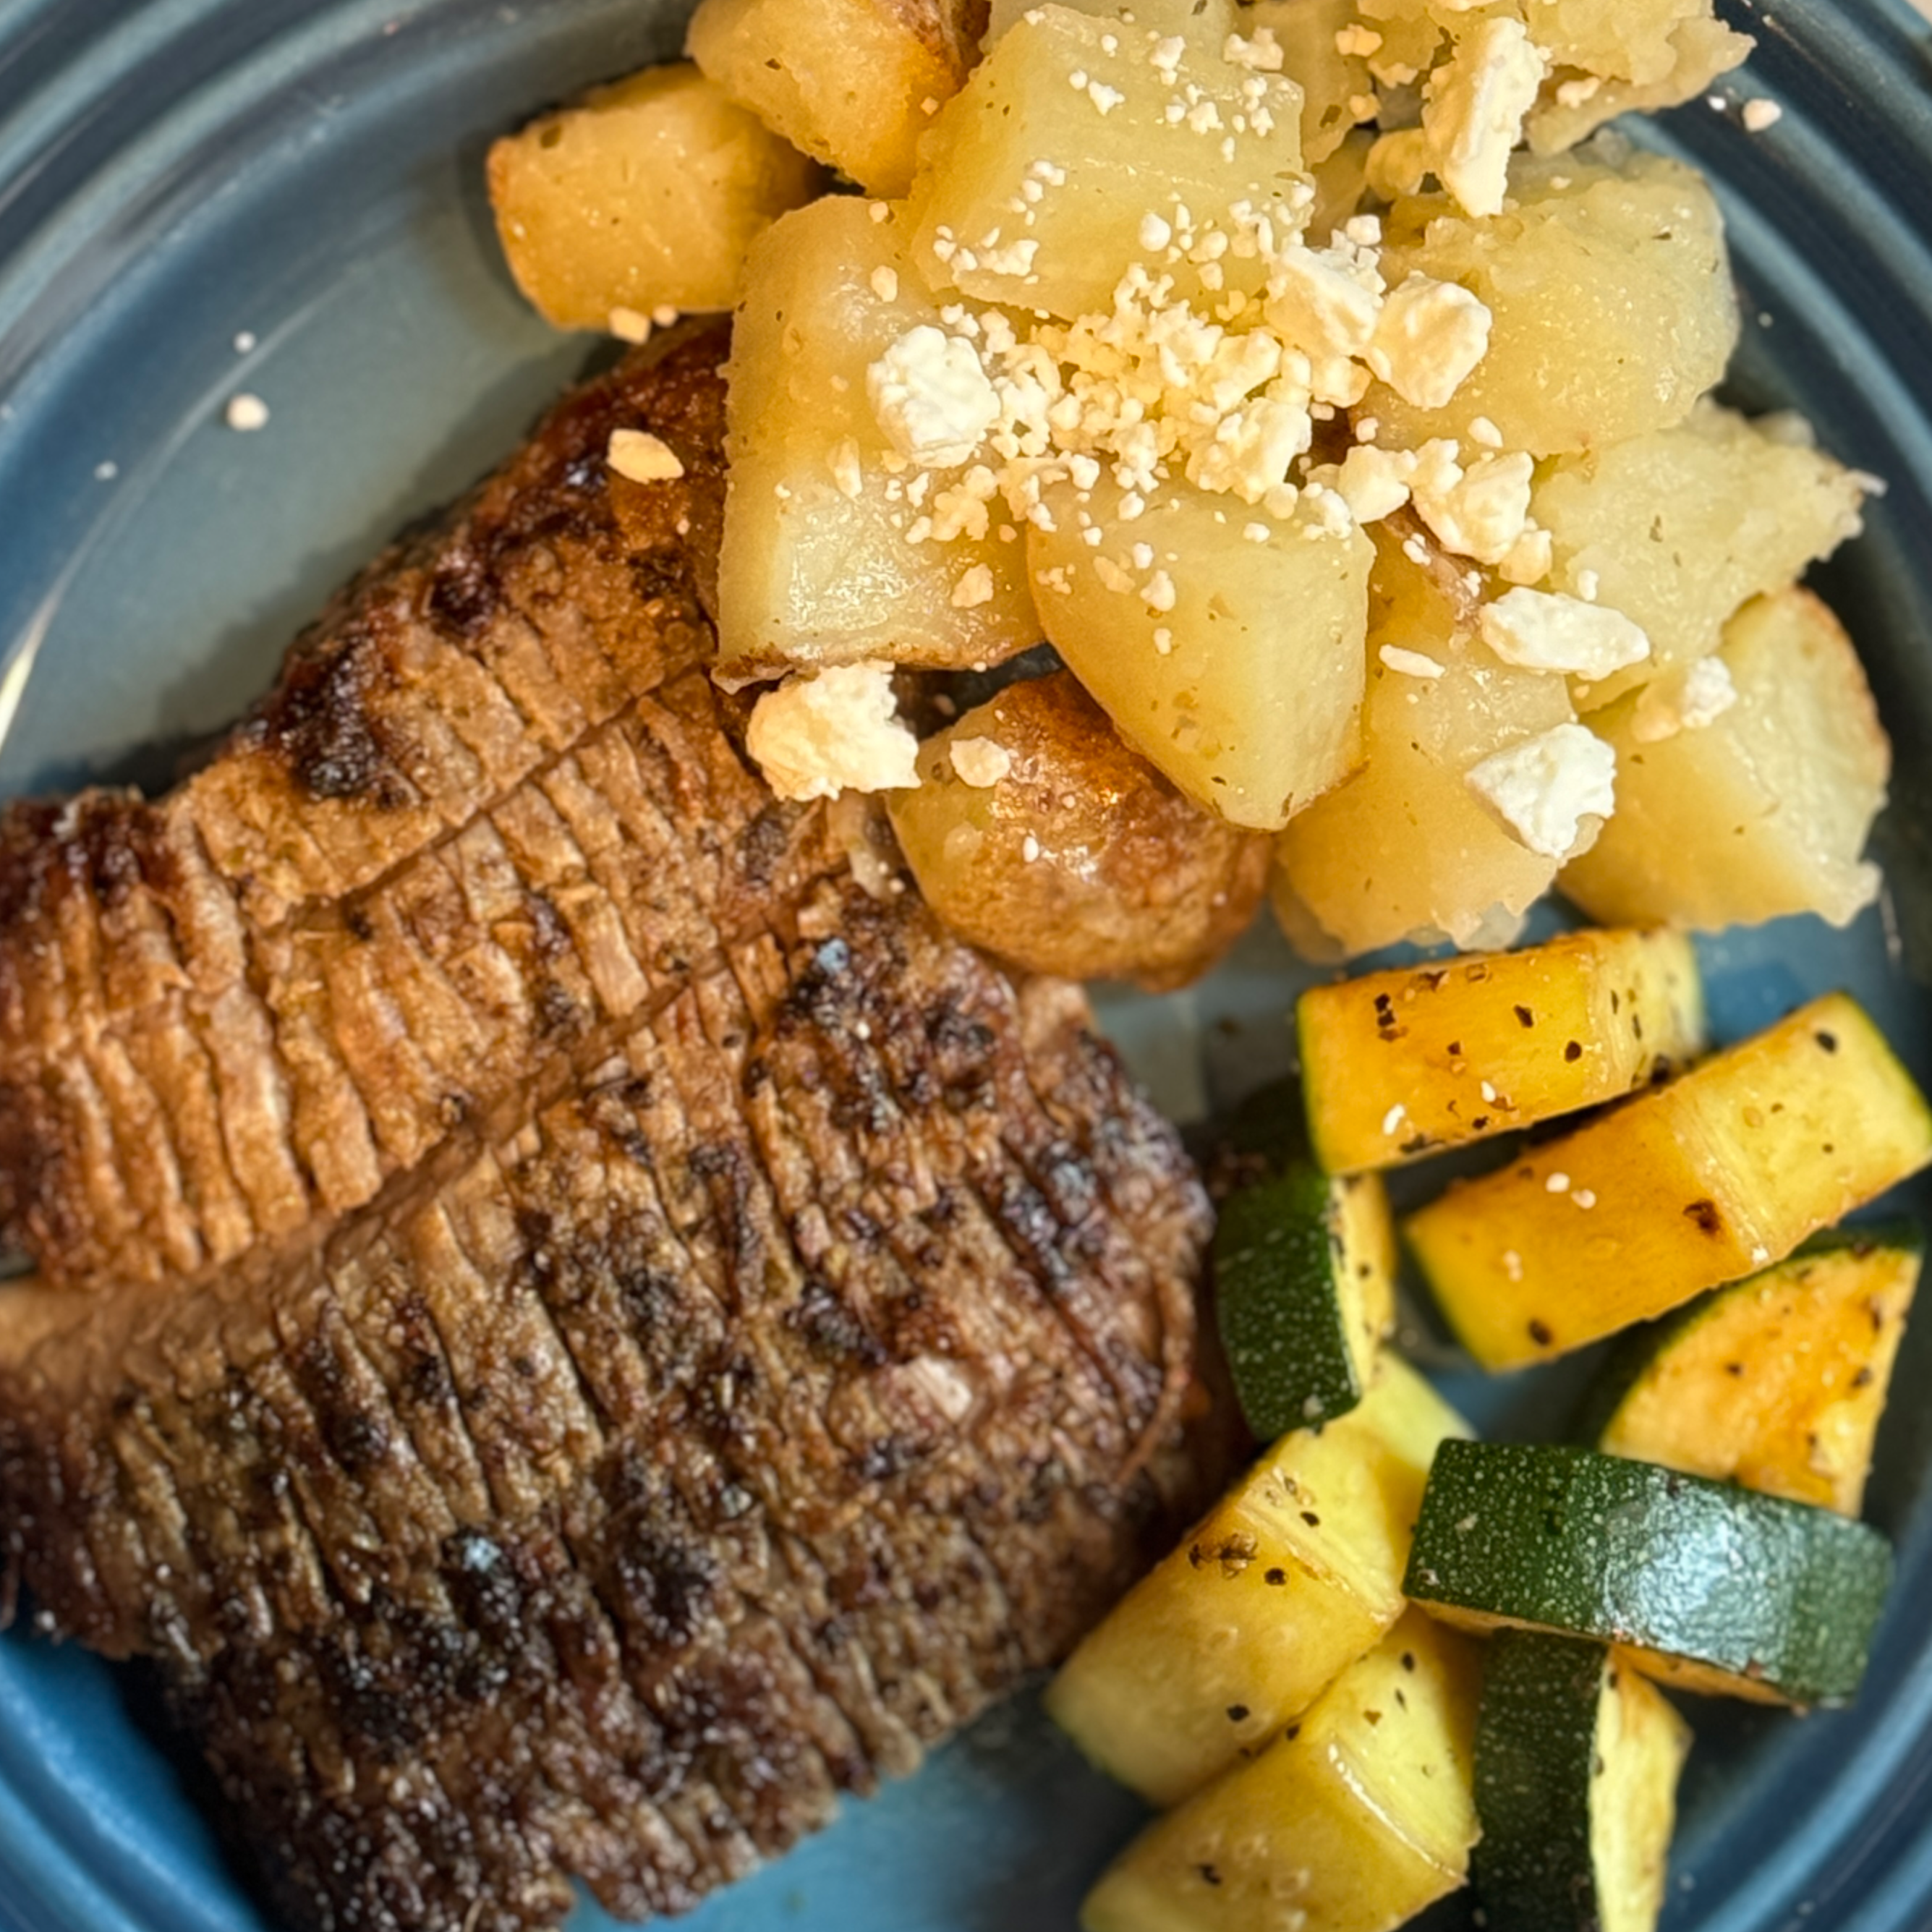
x=1400 y=1064
x=1304 y=1283
x=1577 y=1758
x=1362 y=1815
x=1295 y=1574
x=1703 y=1181
x=1709 y=1586
x=1776 y=1382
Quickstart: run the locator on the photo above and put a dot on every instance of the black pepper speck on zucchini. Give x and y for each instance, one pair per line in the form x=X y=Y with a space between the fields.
x=1776 y=1382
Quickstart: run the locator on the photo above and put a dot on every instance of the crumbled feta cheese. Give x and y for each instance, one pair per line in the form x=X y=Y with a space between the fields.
x=247 y=413
x=1029 y=848
x=1430 y=335
x=814 y=737
x=1374 y=483
x=643 y=457
x=1358 y=40
x=1479 y=512
x=1261 y=51
x=981 y=763
x=885 y=284
x=1539 y=630
x=1575 y=93
x=975 y=587
x=1708 y=693
x=1322 y=302
x=630 y=325
x=1410 y=663
x=1485 y=433
x=1692 y=701
x=932 y=396
x=1760 y=115
x=1474 y=116
x=665 y=315
x=1543 y=788
x=1530 y=559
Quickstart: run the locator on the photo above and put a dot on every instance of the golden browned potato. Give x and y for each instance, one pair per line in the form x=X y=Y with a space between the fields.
x=1405 y=849
x=1610 y=293
x=855 y=83
x=1235 y=664
x=1746 y=785
x=1041 y=183
x=647 y=194
x=838 y=547
x=1678 y=530
x=1036 y=833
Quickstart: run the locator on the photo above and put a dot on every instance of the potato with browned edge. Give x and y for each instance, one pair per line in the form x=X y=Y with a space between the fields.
x=645 y=194
x=855 y=83
x=1035 y=833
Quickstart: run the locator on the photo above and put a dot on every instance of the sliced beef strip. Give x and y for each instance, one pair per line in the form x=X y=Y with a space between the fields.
x=455 y=839
x=608 y=1503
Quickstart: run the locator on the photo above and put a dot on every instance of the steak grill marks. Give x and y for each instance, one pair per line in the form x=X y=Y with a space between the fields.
x=702 y=1450
x=446 y=849
x=598 y=1337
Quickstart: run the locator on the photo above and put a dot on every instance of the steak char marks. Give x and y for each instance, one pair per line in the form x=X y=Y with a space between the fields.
x=249 y=1003
x=715 y=1332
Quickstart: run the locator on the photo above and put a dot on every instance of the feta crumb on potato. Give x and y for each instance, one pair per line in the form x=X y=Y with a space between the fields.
x=1546 y=788
x=1540 y=630
x=839 y=730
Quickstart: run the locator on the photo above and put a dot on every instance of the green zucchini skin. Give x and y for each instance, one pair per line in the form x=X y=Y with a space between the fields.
x=1631 y=1355
x=1283 y=1324
x=1536 y=1746
x=1779 y=1598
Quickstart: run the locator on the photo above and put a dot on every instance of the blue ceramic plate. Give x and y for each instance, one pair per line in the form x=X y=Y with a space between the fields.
x=199 y=198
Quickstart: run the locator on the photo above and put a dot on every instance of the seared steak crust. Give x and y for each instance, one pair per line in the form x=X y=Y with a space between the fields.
x=609 y=1501
x=249 y=1003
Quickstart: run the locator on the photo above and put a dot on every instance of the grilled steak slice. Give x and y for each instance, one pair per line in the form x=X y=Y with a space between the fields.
x=609 y=1503
x=246 y=1004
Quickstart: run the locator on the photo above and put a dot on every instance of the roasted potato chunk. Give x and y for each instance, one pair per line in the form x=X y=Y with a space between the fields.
x=1751 y=798
x=1610 y=293
x=1313 y=34
x=1038 y=192
x=1679 y=529
x=1035 y=833
x=825 y=560
x=1235 y=665
x=1404 y=849
x=855 y=83
x=646 y=194
x=1676 y=66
